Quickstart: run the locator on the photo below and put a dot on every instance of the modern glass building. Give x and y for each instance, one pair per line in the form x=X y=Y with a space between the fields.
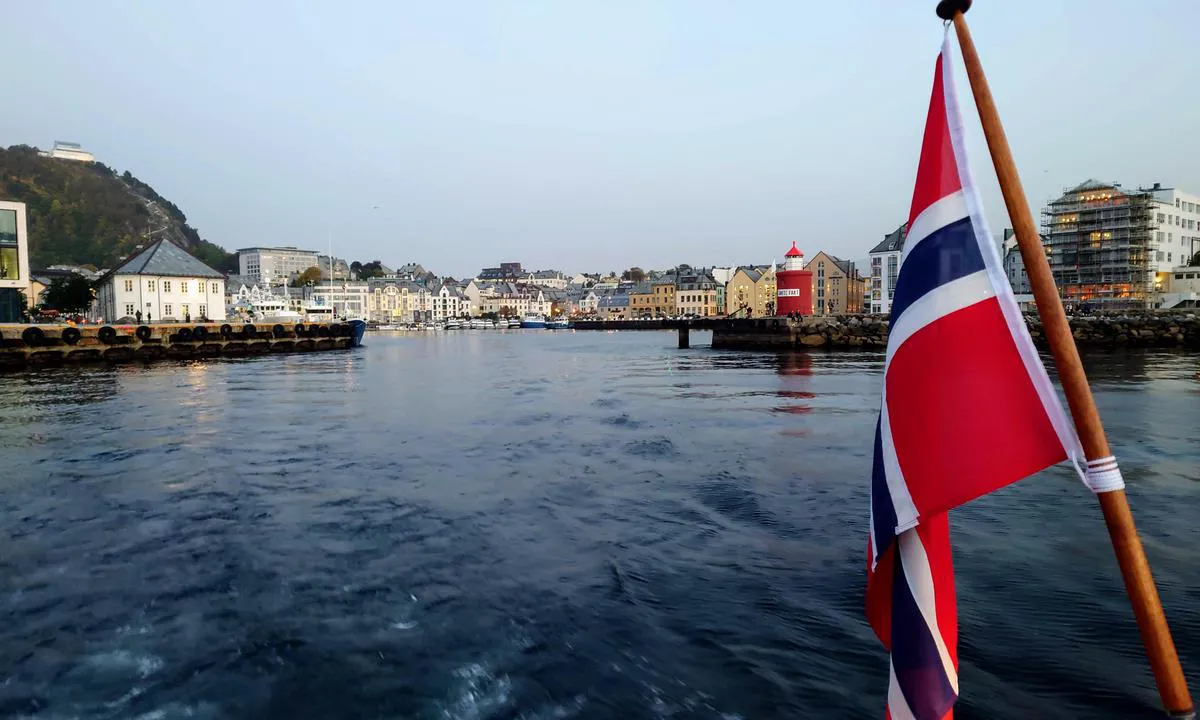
x=14 y=260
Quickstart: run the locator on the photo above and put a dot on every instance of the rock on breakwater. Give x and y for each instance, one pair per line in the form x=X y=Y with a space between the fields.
x=1132 y=329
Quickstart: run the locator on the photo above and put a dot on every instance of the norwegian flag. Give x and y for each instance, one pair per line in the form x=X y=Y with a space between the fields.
x=967 y=408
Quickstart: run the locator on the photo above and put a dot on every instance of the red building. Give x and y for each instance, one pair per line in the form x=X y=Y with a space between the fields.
x=794 y=283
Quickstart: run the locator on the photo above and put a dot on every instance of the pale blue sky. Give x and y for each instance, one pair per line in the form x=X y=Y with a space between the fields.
x=585 y=135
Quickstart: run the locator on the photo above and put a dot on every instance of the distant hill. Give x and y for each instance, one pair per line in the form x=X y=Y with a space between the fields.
x=81 y=214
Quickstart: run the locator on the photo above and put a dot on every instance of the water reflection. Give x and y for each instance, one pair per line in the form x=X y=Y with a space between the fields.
x=795 y=382
x=537 y=525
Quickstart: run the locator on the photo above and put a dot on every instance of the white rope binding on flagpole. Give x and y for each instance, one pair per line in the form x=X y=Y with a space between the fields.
x=1103 y=475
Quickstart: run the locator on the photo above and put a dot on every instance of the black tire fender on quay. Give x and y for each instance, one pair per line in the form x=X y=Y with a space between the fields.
x=199 y=333
x=107 y=334
x=299 y=329
x=143 y=332
x=33 y=336
x=323 y=331
x=249 y=330
x=71 y=335
x=226 y=330
x=184 y=334
x=278 y=330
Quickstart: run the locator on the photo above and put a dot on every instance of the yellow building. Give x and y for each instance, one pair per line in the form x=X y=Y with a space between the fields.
x=838 y=289
x=663 y=291
x=751 y=292
x=641 y=301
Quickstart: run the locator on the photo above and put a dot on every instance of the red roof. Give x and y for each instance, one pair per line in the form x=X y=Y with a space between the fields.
x=794 y=252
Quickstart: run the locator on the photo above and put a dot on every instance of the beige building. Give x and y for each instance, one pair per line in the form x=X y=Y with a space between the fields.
x=697 y=293
x=396 y=301
x=838 y=289
x=751 y=291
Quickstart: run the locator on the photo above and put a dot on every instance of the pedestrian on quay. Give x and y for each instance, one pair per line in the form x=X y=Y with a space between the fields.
x=138 y=317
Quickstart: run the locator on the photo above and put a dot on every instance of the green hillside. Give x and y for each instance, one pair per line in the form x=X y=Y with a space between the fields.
x=82 y=214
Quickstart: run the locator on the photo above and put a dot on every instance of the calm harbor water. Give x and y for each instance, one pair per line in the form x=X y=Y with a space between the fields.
x=541 y=525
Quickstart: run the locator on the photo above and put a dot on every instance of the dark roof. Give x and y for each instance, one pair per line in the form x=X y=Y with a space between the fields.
x=751 y=271
x=163 y=257
x=843 y=265
x=893 y=241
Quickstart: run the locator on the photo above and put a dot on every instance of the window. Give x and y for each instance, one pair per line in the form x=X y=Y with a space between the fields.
x=183 y=287
x=166 y=309
x=1161 y=236
x=129 y=309
x=150 y=285
x=1176 y=202
x=185 y=309
x=1169 y=258
x=167 y=287
x=10 y=260
x=128 y=287
x=1162 y=218
x=215 y=289
x=1159 y=257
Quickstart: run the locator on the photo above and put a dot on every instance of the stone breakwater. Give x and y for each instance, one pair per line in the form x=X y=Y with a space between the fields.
x=870 y=331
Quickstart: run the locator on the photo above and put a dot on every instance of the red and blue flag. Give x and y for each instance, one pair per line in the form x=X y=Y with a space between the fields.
x=967 y=408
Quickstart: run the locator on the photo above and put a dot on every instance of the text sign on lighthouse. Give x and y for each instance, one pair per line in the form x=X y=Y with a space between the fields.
x=794 y=285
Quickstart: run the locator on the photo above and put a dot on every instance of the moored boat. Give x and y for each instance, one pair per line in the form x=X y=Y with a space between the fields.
x=533 y=321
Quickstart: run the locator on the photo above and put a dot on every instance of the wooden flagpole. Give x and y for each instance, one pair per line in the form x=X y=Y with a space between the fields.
x=1143 y=595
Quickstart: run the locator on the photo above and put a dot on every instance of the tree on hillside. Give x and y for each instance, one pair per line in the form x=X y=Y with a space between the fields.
x=366 y=271
x=68 y=294
x=311 y=275
x=634 y=274
x=356 y=267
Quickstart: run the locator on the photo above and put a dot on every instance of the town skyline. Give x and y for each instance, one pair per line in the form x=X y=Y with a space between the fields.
x=674 y=131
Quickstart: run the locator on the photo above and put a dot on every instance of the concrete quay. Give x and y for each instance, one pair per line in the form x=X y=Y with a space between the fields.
x=23 y=345
x=858 y=332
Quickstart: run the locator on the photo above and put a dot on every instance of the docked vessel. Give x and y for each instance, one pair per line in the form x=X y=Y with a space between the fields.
x=533 y=321
x=558 y=324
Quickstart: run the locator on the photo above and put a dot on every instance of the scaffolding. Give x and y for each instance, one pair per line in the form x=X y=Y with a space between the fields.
x=1099 y=241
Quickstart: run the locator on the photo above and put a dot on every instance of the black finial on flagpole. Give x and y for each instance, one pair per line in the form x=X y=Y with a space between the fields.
x=947 y=8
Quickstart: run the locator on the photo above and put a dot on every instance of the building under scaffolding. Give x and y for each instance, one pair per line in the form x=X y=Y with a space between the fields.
x=1100 y=241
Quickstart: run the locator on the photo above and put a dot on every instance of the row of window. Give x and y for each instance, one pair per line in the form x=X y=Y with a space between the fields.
x=168 y=309
x=151 y=286
x=1185 y=206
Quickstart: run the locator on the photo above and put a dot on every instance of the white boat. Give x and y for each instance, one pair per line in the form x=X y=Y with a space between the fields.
x=454 y=324
x=514 y=323
x=480 y=324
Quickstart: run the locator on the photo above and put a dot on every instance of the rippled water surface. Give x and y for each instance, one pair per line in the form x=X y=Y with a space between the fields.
x=541 y=525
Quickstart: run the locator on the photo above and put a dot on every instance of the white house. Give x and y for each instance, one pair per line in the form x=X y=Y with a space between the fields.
x=14 y=260
x=1175 y=227
x=1182 y=288
x=885 y=268
x=447 y=301
x=273 y=265
x=164 y=283
x=348 y=299
x=69 y=151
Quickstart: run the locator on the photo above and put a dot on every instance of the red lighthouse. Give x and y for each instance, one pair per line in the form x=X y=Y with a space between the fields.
x=794 y=285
